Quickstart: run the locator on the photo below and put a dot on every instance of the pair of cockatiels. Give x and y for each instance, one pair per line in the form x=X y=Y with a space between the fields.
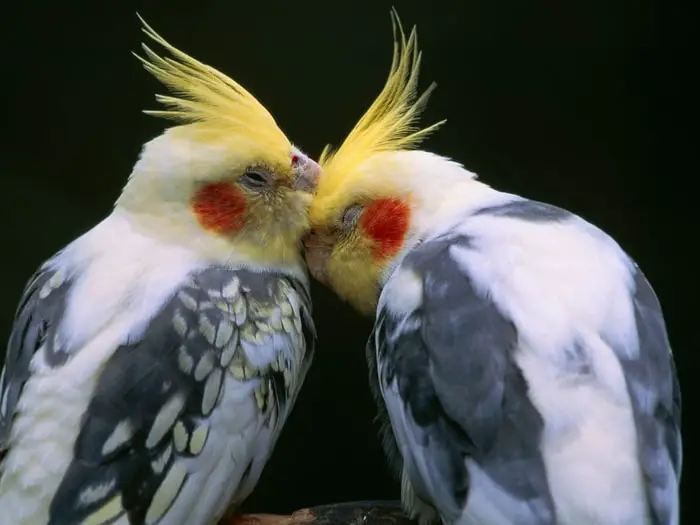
x=519 y=357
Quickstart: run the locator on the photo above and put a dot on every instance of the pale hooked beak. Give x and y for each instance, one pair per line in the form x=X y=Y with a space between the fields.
x=308 y=173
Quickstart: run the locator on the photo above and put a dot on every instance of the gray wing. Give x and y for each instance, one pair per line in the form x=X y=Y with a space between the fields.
x=155 y=396
x=448 y=377
x=656 y=399
x=651 y=379
x=391 y=449
x=35 y=328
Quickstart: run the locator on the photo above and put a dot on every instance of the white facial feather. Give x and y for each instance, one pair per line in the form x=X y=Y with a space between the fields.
x=440 y=188
x=441 y=191
x=157 y=199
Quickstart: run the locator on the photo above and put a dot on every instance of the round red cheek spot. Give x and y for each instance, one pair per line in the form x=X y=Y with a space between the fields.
x=386 y=222
x=219 y=207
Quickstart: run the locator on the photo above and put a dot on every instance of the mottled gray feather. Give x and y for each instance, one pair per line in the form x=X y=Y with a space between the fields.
x=656 y=399
x=36 y=324
x=141 y=376
x=452 y=360
x=527 y=210
x=391 y=449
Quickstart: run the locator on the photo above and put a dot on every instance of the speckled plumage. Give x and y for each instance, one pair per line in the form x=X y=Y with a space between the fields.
x=180 y=410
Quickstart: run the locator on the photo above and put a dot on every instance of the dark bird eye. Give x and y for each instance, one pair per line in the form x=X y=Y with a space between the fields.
x=254 y=179
x=351 y=215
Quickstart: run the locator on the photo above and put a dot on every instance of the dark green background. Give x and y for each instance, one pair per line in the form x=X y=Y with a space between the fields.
x=558 y=101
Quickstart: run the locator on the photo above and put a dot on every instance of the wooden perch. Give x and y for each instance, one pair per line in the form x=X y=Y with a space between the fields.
x=352 y=513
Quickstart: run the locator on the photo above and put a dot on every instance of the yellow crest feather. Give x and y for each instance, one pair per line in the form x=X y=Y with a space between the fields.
x=207 y=96
x=389 y=123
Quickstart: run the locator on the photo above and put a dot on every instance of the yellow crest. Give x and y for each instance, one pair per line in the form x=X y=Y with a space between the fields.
x=389 y=123
x=208 y=97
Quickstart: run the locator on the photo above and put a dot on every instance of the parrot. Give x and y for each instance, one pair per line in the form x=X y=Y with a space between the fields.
x=154 y=359
x=519 y=357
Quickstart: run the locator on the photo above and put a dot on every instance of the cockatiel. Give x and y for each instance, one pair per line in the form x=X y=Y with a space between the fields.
x=519 y=356
x=153 y=361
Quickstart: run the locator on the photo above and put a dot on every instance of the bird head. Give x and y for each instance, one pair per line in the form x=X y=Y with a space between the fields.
x=225 y=181
x=375 y=193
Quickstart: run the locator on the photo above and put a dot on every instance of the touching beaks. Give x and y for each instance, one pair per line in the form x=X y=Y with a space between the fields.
x=308 y=173
x=318 y=247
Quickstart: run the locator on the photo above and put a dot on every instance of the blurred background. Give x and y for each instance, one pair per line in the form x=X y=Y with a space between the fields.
x=563 y=102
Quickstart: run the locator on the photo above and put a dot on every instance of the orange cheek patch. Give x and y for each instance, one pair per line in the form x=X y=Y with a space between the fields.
x=219 y=207
x=385 y=221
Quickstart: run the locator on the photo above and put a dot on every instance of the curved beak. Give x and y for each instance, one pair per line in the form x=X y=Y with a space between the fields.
x=308 y=173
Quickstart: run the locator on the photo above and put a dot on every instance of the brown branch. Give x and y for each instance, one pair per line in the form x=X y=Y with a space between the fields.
x=352 y=513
